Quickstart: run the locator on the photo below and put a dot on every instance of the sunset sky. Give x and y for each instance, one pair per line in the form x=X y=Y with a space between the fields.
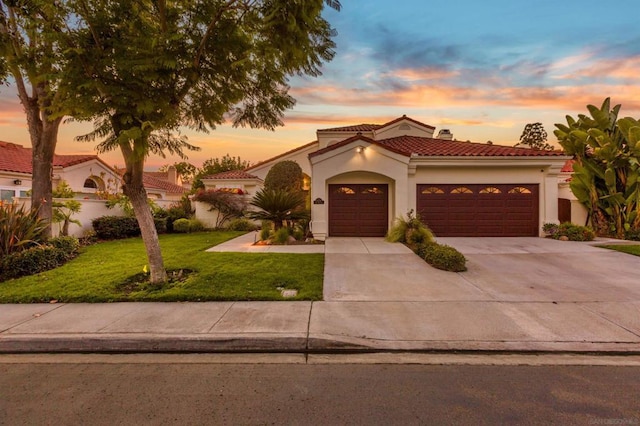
x=481 y=69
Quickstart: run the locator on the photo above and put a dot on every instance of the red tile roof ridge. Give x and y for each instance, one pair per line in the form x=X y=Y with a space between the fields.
x=232 y=174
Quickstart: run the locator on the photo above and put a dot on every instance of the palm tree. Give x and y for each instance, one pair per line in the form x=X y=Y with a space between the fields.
x=278 y=206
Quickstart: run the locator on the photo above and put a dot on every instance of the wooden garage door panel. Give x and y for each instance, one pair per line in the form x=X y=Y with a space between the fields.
x=479 y=210
x=358 y=210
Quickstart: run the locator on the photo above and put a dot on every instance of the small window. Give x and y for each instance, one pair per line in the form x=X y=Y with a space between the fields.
x=7 y=195
x=461 y=190
x=519 y=190
x=432 y=190
x=373 y=190
x=345 y=190
x=490 y=190
x=90 y=183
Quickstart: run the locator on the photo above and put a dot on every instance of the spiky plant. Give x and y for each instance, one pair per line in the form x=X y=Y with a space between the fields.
x=19 y=228
x=278 y=206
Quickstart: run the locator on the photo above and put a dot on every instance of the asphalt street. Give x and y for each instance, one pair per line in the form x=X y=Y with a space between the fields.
x=153 y=389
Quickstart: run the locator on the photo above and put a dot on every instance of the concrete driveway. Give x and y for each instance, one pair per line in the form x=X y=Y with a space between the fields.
x=499 y=269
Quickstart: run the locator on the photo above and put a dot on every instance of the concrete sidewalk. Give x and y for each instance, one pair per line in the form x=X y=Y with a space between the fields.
x=378 y=297
x=317 y=327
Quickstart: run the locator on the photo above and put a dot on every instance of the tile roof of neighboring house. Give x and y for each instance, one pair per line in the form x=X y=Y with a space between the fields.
x=371 y=127
x=232 y=174
x=568 y=167
x=16 y=158
x=255 y=166
x=354 y=128
x=150 y=180
x=429 y=147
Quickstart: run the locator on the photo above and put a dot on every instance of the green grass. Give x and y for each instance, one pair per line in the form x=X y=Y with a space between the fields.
x=99 y=272
x=631 y=249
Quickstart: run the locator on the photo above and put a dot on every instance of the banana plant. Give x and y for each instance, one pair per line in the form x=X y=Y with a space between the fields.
x=606 y=172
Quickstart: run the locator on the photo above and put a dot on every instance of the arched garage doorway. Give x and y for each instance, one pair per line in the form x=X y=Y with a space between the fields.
x=358 y=210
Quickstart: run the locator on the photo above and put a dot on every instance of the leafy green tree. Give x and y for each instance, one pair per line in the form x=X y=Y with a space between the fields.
x=30 y=58
x=606 y=170
x=278 y=206
x=284 y=175
x=142 y=69
x=213 y=166
x=535 y=137
x=185 y=170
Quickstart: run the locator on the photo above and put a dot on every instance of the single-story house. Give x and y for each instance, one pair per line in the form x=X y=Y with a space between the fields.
x=363 y=176
x=85 y=174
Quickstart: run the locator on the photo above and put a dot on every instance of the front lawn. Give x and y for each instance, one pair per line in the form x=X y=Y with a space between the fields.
x=631 y=249
x=104 y=272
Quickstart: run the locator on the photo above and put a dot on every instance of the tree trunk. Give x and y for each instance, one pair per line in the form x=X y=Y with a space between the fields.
x=134 y=189
x=43 y=133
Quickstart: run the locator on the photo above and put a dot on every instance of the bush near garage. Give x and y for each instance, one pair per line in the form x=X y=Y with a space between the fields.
x=442 y=256
x=570 y=231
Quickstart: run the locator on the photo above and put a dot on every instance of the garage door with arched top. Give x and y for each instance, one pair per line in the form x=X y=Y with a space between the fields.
x=358 y=210
x=479 y=210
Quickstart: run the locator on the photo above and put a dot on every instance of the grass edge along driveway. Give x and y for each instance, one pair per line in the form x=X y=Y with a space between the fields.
x=103 y=273
x=629 y=249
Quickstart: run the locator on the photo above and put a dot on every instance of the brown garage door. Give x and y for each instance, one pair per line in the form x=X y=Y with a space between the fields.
x=358 y=210
x=479 y=210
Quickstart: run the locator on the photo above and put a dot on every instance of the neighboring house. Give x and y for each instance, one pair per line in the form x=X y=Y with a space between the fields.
x=85 y=174
x=364 y=176
x=569 y=208
x=164 y=188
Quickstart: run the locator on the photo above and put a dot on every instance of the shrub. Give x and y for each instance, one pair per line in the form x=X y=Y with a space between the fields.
x=442 y=256
x=281 y=236
x=180 y=210
x=115 y=227
x=278 y=206
x=265 y=232
x=68 y=245
x=569 y=230
x=632 y=235
x=181 y=225
x=241 y=225
x=31 y=261
x=184 y=226
x=284 y=176
x=118 y=227
x=19 y=228
x=410 y=231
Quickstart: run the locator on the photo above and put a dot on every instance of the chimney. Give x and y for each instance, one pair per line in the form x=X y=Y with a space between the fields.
x=172 y=175
x=445 y=134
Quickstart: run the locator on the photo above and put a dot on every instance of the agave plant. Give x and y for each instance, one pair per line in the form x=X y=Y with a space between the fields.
x=19 y=228
x=278 y=206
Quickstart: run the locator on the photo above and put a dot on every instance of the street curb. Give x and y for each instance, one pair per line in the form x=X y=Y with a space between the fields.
x=292 y=344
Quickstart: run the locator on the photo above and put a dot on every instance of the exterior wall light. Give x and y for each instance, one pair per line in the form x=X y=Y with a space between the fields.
x=359 y=149
x=17 y=182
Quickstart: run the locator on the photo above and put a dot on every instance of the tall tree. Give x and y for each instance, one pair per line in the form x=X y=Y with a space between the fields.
x=213 y=166
x=30 y=56
x=142 y=69
x=535 y=137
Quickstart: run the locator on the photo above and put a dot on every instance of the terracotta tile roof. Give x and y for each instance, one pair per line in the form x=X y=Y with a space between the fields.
x=354 y=128
x=16 y=158
x=150 y=180
x=568 y=167
x=429 y=147
x=255 y=166
x=371 y=127
x=232 y=174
